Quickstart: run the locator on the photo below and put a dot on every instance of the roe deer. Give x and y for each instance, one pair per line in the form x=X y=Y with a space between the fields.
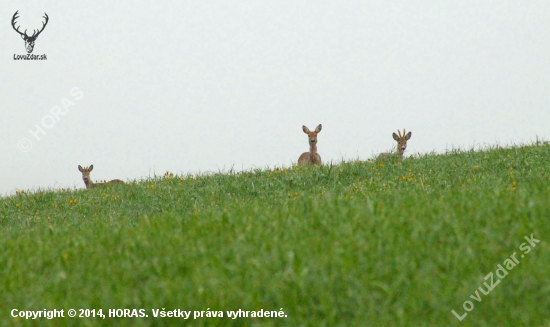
x=401 y=145
x=88 y=181
x=311 y=157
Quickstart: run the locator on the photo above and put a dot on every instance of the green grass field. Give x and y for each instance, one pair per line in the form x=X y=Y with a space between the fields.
x=355 y=244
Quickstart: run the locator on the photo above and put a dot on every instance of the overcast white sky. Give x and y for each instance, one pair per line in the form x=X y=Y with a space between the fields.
x=190 y=86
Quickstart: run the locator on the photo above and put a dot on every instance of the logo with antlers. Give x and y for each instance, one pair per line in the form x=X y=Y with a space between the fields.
x=29 y=40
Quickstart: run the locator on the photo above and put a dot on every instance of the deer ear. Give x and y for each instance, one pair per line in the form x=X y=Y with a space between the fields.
x=305 y=129
x=22 y=36
x=79 y=168
x=318 y=129
x=408 y=136
x=395 y=137
x=91 y=167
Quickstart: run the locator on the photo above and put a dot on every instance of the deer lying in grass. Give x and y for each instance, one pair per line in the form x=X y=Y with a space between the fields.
x=88 y=181
x=311 y=157
x=401 y=145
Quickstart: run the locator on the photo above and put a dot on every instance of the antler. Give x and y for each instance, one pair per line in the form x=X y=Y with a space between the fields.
x=13 y=24
x=34 y=34
x=399 y=133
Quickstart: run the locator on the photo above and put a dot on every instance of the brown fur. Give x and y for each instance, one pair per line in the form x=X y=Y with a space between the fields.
x=88 y=181
x=401 y=145
x=311 y=157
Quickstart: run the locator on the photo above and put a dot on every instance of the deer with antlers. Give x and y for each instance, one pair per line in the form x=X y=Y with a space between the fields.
x=29 y=40
x=88 y=181
x=401 y=145
x=311 y=157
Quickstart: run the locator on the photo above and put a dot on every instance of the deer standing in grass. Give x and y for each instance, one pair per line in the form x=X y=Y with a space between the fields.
x=401 y=145
x=88 y=181
x=311 y=157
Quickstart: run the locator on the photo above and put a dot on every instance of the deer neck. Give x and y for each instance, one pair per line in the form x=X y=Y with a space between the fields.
x=89 y=184
x=399 y=151
x=313 y=149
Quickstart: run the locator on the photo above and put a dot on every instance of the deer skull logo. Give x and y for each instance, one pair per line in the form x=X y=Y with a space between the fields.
x=29 y=40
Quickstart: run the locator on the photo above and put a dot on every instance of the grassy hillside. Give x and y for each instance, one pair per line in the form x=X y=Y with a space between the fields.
x=357 y=244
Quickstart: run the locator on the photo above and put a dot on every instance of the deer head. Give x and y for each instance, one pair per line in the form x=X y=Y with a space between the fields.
x=86 y=173
x=29 y=40
x=401 y=140
x=312 y=136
